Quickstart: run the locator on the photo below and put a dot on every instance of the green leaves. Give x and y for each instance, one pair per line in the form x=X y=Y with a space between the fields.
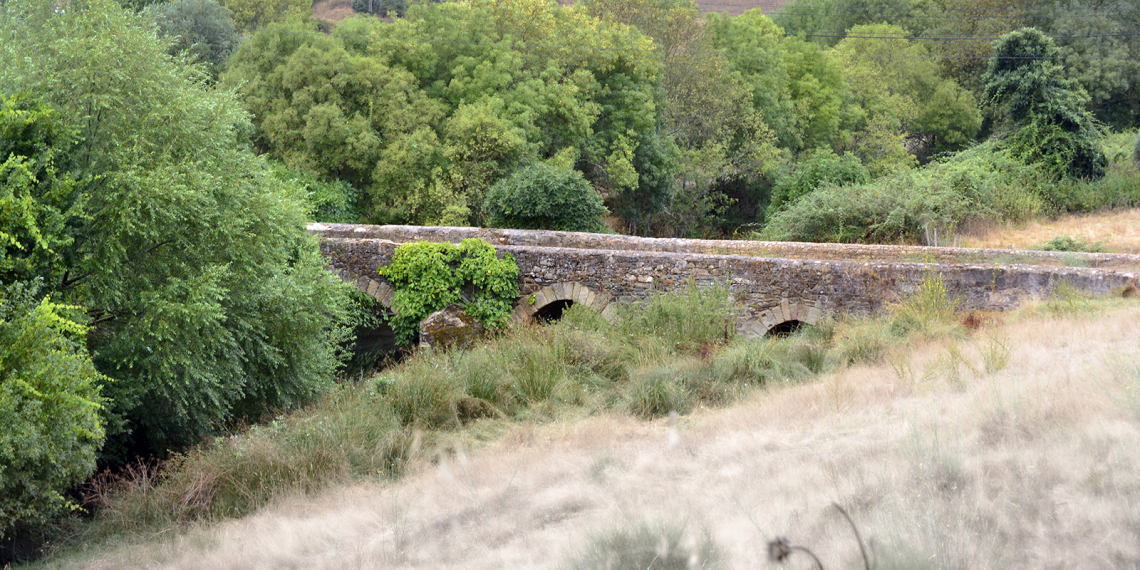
x=209 y=300
x=545 y=197
x=50 y=426
x=428 y=112
x=429 y=276
x=1042 y=113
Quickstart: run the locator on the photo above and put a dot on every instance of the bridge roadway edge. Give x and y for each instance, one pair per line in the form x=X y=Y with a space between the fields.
x=768 y=290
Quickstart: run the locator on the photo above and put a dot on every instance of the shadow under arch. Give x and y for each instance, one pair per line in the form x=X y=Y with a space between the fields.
x=549 y=302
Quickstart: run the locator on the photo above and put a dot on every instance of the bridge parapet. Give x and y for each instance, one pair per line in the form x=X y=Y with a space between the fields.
x=784 y=250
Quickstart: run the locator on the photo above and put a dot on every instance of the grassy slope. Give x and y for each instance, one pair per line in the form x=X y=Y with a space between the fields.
x=1116 y=231
x=940 y=462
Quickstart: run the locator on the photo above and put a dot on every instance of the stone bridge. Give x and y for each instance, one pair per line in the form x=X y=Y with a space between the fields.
x=775 y=284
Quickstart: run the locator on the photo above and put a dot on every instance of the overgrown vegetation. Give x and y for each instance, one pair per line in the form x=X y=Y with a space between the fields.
x=159 y=161
x=670 y=354
x=429 y=276
x=128 y=192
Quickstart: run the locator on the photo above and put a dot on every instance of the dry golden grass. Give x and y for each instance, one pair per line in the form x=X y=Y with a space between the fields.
x=332 y=10
x=1118 y=231
x=940 y=463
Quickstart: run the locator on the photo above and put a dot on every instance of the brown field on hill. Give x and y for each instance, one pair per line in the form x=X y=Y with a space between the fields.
x=1013 y=447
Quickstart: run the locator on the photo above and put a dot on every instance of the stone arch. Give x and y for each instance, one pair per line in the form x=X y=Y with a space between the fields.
x=377 y=289
x=786 y=311
x=562 y=293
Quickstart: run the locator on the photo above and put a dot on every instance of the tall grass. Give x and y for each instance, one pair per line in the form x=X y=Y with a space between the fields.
x=643 y=545
x=670 y=353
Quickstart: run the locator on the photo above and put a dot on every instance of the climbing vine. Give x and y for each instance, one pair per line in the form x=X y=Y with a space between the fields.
x=429 y=276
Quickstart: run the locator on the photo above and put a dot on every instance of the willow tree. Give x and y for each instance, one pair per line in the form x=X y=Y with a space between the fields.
x=207 y=299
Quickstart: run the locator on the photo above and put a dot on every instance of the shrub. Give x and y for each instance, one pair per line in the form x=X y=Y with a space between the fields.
x=429 y=276
x=657 y=391
x=818 y=168
x=1136 y=152
x=642 y=545
x=545 y=197
x=981 y=183
x=50 y=425
x=1042 y=111
x=1069 y=243
x=929 y=310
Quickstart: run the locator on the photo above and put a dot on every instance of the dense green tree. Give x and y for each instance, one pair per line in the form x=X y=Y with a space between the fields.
x=254 y=14
x=829 y=21
x=1041 y=112
x=201 y=29
x=545 y=197
x=898 y=100
x=207 y=298
x=709 y=114
x=50 y=425
x=965 y=59
x=1097 y=43
x=426 y=113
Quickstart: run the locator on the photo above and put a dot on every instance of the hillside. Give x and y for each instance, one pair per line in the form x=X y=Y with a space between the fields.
x=940 y=463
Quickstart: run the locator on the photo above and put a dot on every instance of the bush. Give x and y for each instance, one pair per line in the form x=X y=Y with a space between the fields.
x=50 y=425
x=1069 y=243
x=429 y=276
x=819 y=167
x=660 y=546
x=981 y=183
x=1136 y=152
x=545 y=197
x=1042 y=112
x=334 y=202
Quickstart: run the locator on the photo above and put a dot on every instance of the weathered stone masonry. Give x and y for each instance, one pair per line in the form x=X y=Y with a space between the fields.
x=769 y=290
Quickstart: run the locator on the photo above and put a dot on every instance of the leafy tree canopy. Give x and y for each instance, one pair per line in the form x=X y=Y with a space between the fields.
x=254 y=14
x=898 y=99
x=428 y=112
x=1042 y=112
x=207 y=298
x=202 y=29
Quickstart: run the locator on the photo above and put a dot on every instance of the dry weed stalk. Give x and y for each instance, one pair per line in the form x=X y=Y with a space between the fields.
x=781 y=549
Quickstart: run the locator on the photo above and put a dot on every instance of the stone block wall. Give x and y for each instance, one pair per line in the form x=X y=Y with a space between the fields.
x=768 y=290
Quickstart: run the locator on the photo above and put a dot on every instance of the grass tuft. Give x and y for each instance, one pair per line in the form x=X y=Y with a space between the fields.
x=648 y=546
